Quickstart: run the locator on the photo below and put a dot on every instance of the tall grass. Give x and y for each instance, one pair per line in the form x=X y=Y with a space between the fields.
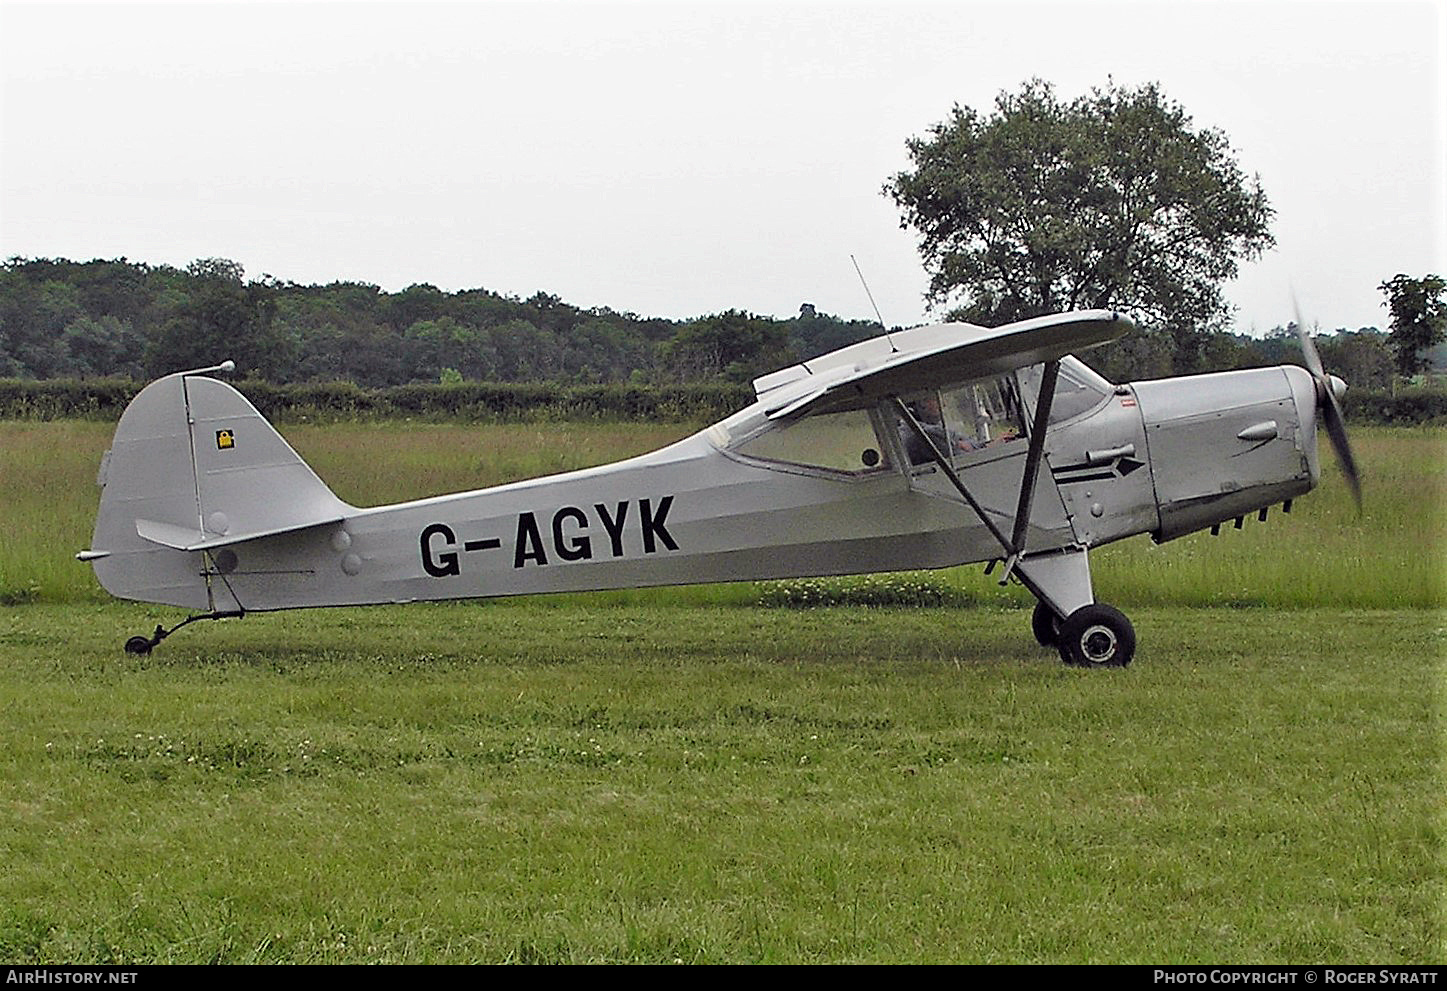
x=1392 y=555
x=374 y=464
x=48 y=500
x=1322 y=554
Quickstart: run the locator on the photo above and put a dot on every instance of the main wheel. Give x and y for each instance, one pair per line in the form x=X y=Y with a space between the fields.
x=138 y=645
x=1045 y=625
x=1096 y=636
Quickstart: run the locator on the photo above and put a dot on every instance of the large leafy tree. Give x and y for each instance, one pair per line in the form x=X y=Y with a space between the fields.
x=1111 y=200
x=1419 y=318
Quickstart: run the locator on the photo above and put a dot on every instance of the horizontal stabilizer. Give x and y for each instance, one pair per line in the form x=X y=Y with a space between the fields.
x=183 y=539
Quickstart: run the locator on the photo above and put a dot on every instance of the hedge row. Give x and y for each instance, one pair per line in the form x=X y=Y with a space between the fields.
x=468 y=401
x=104 y=399
x=1407 y=407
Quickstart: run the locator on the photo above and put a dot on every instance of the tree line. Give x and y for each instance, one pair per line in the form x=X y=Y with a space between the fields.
x=67 y=319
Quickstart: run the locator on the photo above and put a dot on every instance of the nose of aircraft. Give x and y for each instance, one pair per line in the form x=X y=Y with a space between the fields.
x=1338 y=387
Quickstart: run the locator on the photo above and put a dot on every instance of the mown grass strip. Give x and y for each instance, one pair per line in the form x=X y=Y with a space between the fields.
x=461 y=783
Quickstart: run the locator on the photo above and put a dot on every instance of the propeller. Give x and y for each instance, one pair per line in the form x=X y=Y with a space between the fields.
x=1328 y=390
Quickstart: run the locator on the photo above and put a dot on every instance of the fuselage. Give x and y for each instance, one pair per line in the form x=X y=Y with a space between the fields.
x=737 y=502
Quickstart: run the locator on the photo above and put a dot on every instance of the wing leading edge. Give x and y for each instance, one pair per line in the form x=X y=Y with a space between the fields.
x=869 y=372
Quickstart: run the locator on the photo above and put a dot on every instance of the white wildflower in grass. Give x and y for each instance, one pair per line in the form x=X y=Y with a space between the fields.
x=883 y=591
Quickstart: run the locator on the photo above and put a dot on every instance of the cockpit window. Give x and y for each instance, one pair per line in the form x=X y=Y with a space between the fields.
x=1077 y=390
x=987 y=413
x=958 y=421
x=837 y=441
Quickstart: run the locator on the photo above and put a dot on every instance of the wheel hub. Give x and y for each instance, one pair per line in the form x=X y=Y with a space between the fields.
x=1098 y=644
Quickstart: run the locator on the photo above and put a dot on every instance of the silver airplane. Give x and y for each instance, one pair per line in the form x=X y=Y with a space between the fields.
x=924 y=448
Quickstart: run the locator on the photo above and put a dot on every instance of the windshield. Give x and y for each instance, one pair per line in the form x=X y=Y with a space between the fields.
x=1078 y=390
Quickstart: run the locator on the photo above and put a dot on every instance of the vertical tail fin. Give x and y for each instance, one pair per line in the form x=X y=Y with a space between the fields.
x=194 y=467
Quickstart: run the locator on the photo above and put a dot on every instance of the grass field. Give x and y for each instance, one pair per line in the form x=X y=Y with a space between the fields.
x=677 y=776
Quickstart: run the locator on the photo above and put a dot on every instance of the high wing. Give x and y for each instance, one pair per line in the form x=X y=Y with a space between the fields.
x=861 y=375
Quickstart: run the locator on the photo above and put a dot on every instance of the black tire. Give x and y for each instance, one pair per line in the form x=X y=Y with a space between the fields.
x=138 y=645
x=1096 y=636
x=1045 y=625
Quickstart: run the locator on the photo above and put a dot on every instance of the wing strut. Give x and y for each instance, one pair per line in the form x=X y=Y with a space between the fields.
x=1032 y=463
x=939 y=459
x=1014 y=545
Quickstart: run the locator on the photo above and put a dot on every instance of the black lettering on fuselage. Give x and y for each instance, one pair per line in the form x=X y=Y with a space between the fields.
x=440 y=565
x=614 y=524
x=653 y=525
x=576 y=547
x=529 y=544
x=442 y=551
x=571 y=548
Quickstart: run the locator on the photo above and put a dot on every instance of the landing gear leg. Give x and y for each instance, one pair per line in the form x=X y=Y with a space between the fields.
x=1068 y=618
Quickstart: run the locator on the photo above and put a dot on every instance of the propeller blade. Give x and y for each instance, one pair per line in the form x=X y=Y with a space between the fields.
x=1308 y=347
x=1336 y=429
x=1332 y=418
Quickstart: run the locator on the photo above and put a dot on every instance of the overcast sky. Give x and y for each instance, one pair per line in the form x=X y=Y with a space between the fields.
x=682 y=158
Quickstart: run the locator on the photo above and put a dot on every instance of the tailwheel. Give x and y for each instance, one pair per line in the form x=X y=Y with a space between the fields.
x=1045 y=625
x=1096 y=636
